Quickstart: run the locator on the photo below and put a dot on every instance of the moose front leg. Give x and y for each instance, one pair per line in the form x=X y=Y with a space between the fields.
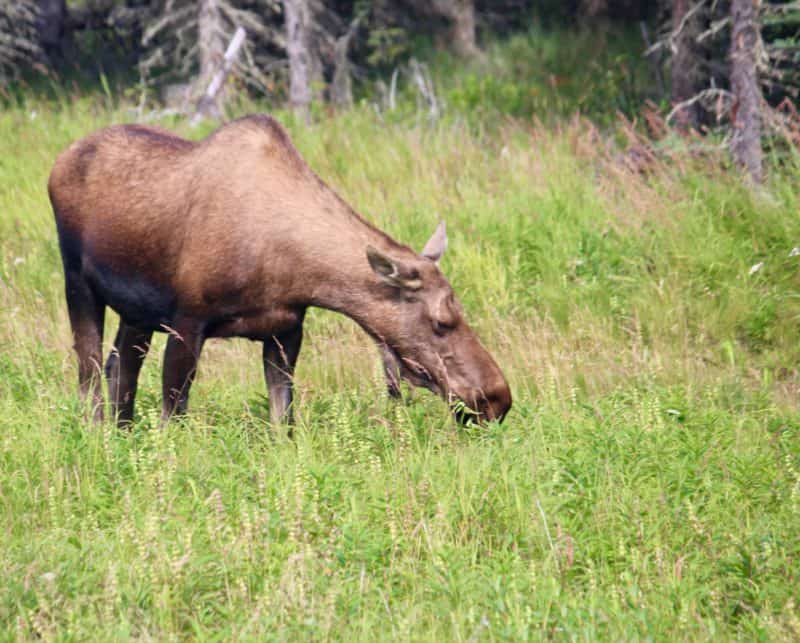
x=280 y=357
x=122 y=369
x=185 y=342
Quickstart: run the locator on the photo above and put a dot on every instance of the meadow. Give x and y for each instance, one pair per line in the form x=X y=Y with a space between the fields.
x=646 y=484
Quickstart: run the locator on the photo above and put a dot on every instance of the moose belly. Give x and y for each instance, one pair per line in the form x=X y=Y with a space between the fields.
x=139 y=301
x=257 y=324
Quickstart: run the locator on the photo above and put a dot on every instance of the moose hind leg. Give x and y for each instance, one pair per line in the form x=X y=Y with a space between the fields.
x=122 y=369
x=280 y=356
x=180 y=365
x=86 y=317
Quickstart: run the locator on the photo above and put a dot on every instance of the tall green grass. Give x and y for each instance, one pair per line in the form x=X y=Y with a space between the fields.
x=645 y=485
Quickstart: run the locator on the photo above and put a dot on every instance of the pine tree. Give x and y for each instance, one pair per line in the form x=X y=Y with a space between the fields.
x=746 y=48
x=20 y=45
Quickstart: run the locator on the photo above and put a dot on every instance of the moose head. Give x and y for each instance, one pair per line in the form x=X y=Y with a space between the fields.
x=425 y=340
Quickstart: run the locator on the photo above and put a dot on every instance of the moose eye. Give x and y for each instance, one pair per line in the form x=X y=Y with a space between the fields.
x=442 y=327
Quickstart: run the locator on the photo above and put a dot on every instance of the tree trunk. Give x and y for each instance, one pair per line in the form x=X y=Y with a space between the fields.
x=207 y=106
x=341 y=89
x=687 y=23
x=746 y=113
x=462 y=29
x=50 y=23
x=302 y=67
x=460 y=18
x=210 y=41
x=594 y=7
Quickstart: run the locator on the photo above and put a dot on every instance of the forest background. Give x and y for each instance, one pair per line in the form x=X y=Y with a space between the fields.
x=619 y=180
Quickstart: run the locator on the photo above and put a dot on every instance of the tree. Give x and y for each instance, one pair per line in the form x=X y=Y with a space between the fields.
x=594 y=7
x=459 y=18
x=183 y=43
x=304 y=64
x=211 y=47
x=745 y=50
x=20 y=45
x=210 y=40
x=341 y=89
x=686 y=68
x=50 y=23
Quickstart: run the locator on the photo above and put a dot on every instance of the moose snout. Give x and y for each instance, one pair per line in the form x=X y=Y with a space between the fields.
x=495 y=404
x=486 y=405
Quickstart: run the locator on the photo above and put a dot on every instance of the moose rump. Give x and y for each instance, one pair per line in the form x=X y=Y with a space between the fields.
x=235 y=235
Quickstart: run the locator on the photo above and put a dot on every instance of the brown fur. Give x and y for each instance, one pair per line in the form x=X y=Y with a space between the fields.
x=236 y=236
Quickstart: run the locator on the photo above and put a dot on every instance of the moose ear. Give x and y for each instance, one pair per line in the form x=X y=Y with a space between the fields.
x=391 y=271
x=437 y=244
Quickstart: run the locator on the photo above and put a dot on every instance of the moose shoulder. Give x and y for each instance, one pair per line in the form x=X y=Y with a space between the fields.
x=236 y=236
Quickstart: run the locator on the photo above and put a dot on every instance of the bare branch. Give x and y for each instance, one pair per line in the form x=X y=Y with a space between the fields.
x=207 y=105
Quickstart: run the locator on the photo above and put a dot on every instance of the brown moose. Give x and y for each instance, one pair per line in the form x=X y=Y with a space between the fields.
x=236 y=236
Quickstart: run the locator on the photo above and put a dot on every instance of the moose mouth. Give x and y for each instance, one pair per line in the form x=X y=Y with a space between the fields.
x=399 y=368
x=402 y=368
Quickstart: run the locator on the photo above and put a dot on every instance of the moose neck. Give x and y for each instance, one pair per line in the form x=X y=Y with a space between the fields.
x=345 y=282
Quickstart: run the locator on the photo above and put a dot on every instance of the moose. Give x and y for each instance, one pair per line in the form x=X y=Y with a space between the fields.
x=236 y=236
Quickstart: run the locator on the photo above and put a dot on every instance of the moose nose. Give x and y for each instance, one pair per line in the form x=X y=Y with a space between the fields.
x=486 y=406
x=496 y=403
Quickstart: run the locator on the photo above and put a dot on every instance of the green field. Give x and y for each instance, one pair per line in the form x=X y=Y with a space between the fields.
x=646 y=484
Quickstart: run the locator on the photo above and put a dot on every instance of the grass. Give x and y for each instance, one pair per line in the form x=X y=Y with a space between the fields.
x=600 y=73
x=645 y=485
